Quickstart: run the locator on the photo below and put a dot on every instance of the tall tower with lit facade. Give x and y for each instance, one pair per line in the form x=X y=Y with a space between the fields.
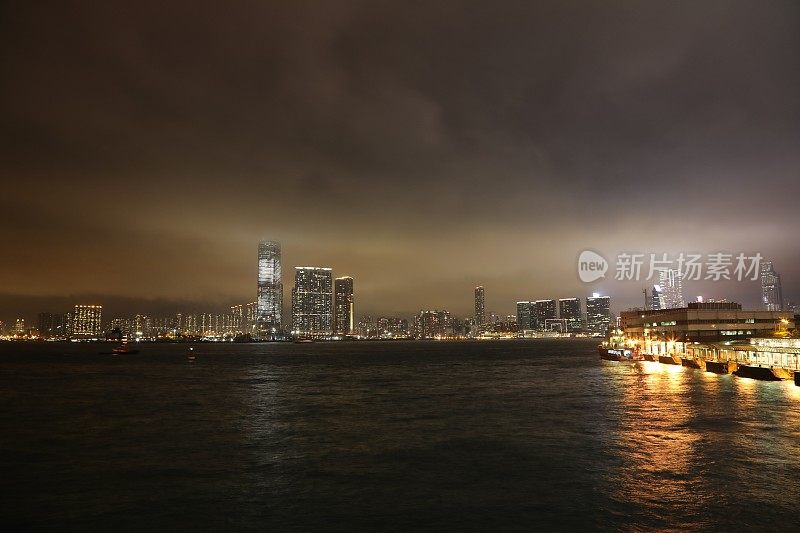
x=524 y=316
x=656 y=298
x=343 y=305
x=771 y=293
x=671 y=285
x=312 y=302
x=543 y=311
x=598 y=314
x=569 y=310
x=480 y=309
x=269 y=300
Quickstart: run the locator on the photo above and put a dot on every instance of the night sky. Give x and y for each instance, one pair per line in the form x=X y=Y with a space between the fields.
x=421 y=147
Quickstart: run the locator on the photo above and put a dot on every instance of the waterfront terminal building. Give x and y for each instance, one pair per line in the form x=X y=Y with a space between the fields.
x=670 y=331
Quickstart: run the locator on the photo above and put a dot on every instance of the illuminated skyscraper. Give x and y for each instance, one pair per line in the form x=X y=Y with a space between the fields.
x=671 y=284
x=771 y=293
x=569 y=311
x=598 y=314
x=544 y=311
x=343 y=305
x=312 y=302
x=87 y=321
x=524 y=316
x=480 y=309
x=269 y=300
x=656 y=299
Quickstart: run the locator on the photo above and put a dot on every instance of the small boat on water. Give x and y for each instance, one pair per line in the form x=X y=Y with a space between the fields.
x=124 y=349
x=303 y=341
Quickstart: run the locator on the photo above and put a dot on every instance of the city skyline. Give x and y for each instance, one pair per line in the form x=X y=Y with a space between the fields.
x=270 y=304
x=321 y=307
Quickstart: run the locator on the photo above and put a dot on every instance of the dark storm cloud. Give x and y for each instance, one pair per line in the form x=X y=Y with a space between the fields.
x=422 y=147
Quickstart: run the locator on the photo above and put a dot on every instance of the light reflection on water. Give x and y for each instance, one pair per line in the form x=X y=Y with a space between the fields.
x=658 y=471
x=705 y=449
x=417 y=436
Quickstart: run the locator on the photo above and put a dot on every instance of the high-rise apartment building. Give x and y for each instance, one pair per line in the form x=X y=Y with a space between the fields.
x=269 y=299
x=343 y=306
x=524 y=315
x=671 y=284
x=432 y=324
x=656 y=298
x=312 y=302
x=480 y=308
x=391 y=327
x=771 y=293
x=598 y=314
x=243 y=318
x=544 y=314
x=365 y=328
x=569 y=311
x=87 y=321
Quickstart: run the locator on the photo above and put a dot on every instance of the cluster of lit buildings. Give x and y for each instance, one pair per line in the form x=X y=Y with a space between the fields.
x=323 y=307
x=709 y=332
x=83 y=322
x=564 y=316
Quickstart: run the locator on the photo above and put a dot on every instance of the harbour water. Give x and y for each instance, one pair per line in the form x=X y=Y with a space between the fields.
x=508 y=435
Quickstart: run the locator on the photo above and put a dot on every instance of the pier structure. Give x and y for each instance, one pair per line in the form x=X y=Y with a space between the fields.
x=717 y=337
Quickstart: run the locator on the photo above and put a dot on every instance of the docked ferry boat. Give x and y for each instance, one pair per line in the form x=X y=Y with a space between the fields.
x=614 y=349
x=616 y=354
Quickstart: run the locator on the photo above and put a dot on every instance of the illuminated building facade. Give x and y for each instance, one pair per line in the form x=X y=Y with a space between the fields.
x=366 y=328
x=480 y=309
x=312 y=302
x=343 y=306
x=569 y=311
x=771 y=293
x=243 y=318
x=270 y=291
x=392 y=327
x=524 y=316
x=656 y=298
x=598 y=314
x=703 y=322
x=544 y=311
x=671 y=287
x=87 y=321
x=432 y=324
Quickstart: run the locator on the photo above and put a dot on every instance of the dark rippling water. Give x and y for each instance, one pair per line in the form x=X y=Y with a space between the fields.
x=483 y=436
